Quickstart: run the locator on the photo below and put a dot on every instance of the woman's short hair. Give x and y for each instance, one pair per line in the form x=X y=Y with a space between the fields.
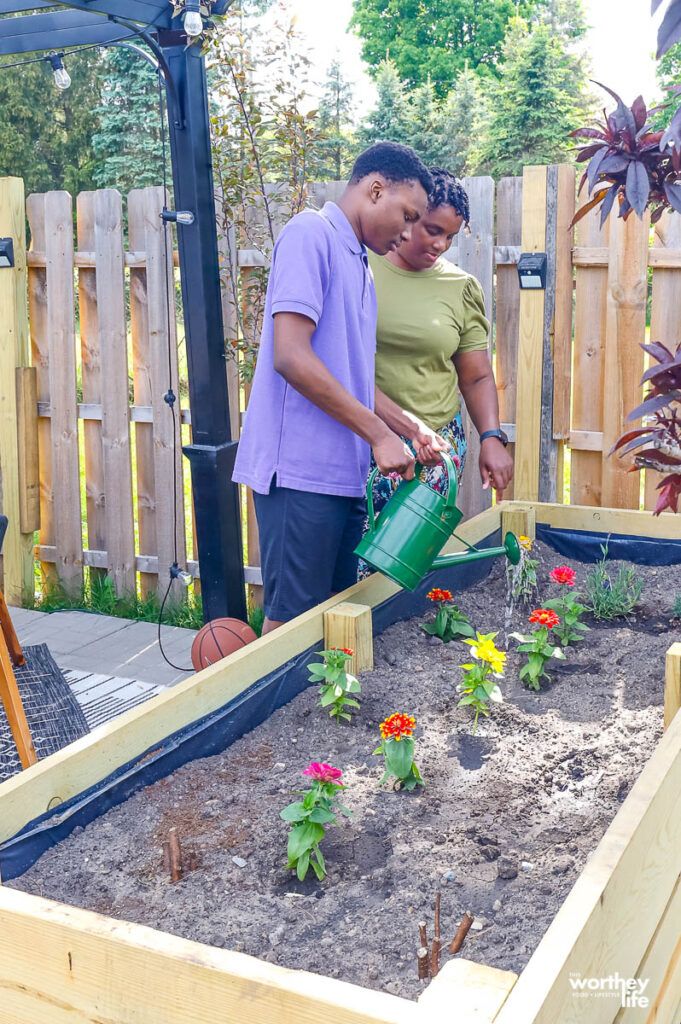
x=447 y=190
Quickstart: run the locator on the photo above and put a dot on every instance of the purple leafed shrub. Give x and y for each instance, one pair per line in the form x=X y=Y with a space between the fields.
x=631 y=163
x=660 y=438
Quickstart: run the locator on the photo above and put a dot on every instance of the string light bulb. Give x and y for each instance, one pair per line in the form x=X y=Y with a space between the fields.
x=62 y=79
x=193 y=22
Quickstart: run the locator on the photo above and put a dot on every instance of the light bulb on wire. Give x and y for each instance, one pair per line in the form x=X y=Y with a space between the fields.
x=62 y=79
x=193 y=22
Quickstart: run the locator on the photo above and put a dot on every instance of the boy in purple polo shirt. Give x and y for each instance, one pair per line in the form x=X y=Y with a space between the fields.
x=314 y=413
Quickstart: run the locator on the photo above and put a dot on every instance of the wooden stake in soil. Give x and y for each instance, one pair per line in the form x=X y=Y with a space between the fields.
x=422 y=958
x=458 y=940
x=175 y=856
x=422 y=933
x=435 y=953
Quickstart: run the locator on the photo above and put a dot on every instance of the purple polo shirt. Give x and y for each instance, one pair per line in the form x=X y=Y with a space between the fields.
x=319 y=269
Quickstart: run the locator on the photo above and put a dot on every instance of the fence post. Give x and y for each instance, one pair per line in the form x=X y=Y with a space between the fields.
x=672 y=685
x=17 y=557
x=545 y=334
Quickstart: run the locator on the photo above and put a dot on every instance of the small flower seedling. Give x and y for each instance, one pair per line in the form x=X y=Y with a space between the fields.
x=537 y=647
x=450 y=622
x=398 y=750
x=337 y=683
x=569 y=630
x=479 y=685
x=309 y=816
x=522 y=577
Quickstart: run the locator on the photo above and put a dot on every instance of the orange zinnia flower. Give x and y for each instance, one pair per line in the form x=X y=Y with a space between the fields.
x=345 y=650
x=436 y=594
x=396 y=726
x=563 y=574
x=545 y=617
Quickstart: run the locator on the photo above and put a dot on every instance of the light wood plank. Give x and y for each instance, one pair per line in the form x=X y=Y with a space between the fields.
x=88 y=259
x=475 y=991
x=91 y=758
x=509 y=233
x=625 y=330
x=665 y=324
x=610 y=916
x=91 y=378
x=68 y=536
x=603 y=520
x=588 y=362
x=40 y=357
x=661 y=969
x=530 y=345
x=476 y=257
x=669 y=257
x=113 y=355
x=590 y=253
x=17 y=560
x=349 y=625
x=672 y=684
x=29 y=468
x=586 y=440
x=521 y=522
x=63 y=964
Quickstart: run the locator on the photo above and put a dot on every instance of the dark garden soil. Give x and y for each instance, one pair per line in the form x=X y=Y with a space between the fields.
x=506 y=822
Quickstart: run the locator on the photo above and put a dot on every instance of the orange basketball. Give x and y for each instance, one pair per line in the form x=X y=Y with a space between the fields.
x=219 y=638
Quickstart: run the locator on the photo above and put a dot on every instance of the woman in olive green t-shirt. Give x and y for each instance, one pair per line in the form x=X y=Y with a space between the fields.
x=432 y=340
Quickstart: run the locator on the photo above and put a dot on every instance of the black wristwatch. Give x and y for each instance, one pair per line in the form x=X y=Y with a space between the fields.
x=495 y=433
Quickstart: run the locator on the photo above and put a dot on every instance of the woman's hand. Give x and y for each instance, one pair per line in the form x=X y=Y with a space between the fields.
x=427 y=444
x=496 y=465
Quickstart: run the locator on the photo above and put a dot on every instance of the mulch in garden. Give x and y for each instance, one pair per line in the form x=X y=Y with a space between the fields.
x=505 y=824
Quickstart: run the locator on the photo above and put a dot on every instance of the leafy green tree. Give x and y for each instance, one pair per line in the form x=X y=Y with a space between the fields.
x=127 y=145
x=46 y=133
x=668 y=78
x=537 y=103
x=335 y=145
x=436 y=39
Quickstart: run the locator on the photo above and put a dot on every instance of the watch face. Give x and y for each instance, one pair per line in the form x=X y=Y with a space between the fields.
x=503 y=437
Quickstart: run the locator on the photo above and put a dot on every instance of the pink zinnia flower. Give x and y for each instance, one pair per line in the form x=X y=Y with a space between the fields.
x=322 y=772
x=563 y=574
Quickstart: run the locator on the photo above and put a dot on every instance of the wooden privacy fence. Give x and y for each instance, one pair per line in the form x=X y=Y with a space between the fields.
x=86 y=440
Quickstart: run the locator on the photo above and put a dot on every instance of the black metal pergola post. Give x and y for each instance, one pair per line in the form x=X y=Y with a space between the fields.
x=212 y=451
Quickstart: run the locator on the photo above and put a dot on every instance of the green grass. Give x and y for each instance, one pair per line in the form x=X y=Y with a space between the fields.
x=98 y=595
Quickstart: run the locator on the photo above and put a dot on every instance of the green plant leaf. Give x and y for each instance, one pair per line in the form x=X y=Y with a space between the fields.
x=302 y=865
x=399 y=755
x=468 y=699
x=294 y=812
x=321 y=815
x=302 y=837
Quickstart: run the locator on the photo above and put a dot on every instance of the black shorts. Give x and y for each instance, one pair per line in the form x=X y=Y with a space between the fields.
x=307 y=544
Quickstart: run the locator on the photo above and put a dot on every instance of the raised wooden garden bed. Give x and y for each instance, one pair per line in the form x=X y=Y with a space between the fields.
x=622 y=916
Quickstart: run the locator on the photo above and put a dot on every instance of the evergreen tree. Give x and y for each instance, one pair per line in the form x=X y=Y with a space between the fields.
x=46 y=133
x=127 y=145
x=465 y=118
x=537 y=103
x=335 y=126
x=390 y=119
x=428 y=134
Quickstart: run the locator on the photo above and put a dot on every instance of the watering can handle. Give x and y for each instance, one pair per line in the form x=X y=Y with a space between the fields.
x=450 y=496
x=452 y=479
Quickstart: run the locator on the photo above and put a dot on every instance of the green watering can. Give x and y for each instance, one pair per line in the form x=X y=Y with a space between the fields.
x=405 y=540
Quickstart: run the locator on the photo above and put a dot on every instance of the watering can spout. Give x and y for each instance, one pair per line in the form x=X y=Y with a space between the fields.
x=405 y=540
x=510 y=548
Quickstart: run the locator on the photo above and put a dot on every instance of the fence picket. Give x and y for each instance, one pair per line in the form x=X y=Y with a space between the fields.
x=113 y=350
x=625 y=330
x=476 y=256
x=146 y=231
x=588 y=361
x=61 y=331
x=91 y=377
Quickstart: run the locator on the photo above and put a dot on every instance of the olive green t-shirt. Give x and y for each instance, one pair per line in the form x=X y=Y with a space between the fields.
x=425 y=318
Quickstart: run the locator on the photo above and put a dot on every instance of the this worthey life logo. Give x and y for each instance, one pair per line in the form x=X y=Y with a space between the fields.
x=630 y=991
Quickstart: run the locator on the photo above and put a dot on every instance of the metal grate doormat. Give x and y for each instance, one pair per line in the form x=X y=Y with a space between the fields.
x=52 y=711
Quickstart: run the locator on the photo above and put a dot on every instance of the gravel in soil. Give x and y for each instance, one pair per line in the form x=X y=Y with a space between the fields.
x=506 y=822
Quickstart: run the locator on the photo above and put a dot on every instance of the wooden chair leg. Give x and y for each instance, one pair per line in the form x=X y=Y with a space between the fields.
x=14 y=709
x=9 y=633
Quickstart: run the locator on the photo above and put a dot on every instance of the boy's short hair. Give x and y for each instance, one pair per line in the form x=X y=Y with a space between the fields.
x=395 y=162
